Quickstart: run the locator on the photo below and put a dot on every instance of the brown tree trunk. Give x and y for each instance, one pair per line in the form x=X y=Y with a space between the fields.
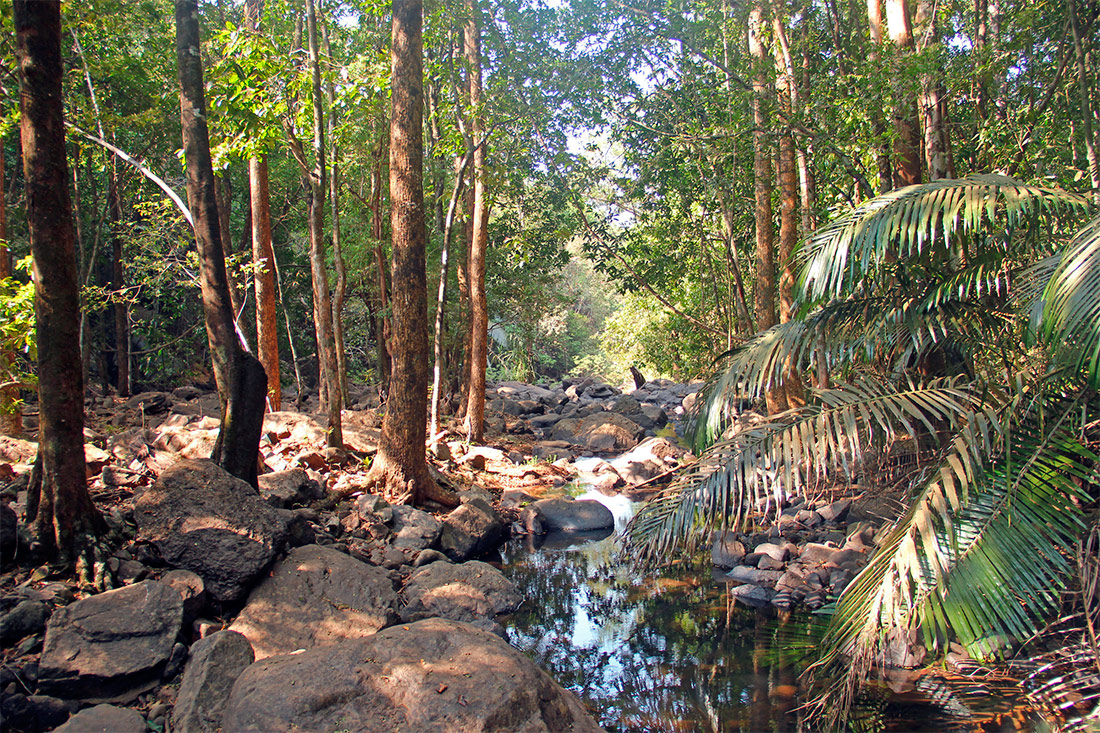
x=441 y=295
x=930 y=100
x=11 y=414
x=118 y=285
x=764 y=290
x=383 y=319
x=340 y=293
x=223 y=192
x=878 y=124
x=65 y=522
x=1087 y=111
x=322 y=301
x=240 y=377
x=479 y=308
x=401 y=466
x=907 y=145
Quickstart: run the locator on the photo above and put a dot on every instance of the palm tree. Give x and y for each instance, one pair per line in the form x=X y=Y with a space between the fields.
x=958 y=325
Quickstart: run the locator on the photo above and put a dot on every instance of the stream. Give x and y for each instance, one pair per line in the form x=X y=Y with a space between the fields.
x=670 y=651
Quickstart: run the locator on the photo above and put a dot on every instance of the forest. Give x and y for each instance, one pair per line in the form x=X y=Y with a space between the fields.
x=804 y=293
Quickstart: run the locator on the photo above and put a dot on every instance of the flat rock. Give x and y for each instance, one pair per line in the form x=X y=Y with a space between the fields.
x=571 y=516
x=205 y=520
x=317 y=596
x=104 y=719
x=215 y=664
x=470 y=591
x=752 y=575
x=285 y=489
x=433 y=675
x=113 y=646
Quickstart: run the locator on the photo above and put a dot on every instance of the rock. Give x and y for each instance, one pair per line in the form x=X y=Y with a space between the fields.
x=176 y=660
x=27 y=618
x=726 y=551
x=427 y=557
x=603 y=431
x=836 y=511
x=16 y=711
x=104 y=719
x=118 y=476
x=469 y=592
x=294 y=427
x=767 y=562
x=299 y=531
x=9 y=532
x=433 y=675
x=746 y=574
x=414 y=529
x=14 y=450
x=774 y=551
x=317 y=596
x=514 y=498
x=149 y=403
x=191 y=589
x=570 y=515
x=752 y=595
x=285 y=489
x=470 y=530
x=216 y=663
x=113 y=646
x=205 y=520
x=50 y=712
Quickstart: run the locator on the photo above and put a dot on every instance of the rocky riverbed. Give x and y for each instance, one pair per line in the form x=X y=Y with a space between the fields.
x=218 y=594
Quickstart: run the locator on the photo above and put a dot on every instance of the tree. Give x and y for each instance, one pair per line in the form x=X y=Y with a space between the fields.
x=66 y=522
x=401 y=466
x=241 y=380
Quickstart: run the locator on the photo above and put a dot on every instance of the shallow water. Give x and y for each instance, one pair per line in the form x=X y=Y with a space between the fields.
x=669 y=651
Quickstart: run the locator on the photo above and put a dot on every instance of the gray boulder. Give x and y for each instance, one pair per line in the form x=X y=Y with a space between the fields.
x=471 y=591
x=471 y=529
x=285 y=489
x=216 y=663
x=9 y=532
x=104 y=719
x=433 y=675
x=317 y=596
x=113 y=646
x=726 y=551
x=569 y=515
x=26 y=618
x=205 y=520
x=414 y=529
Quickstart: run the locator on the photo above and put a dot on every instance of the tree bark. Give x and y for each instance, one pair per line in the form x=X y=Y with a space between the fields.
x=878 y=124
x=322 y=301
x=401 y=466
x=1087 y=111
x=382 y=319
x=930 y=100
x=764 y=290
x=118 y=286
x=340 y=292
x=907 y=145
x=240 y=377
x=441 y=295
x=479 y=309
x=223 y=192
x=65 y=521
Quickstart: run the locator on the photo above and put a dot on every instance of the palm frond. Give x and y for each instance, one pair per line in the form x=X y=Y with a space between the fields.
x=757 y=466
x=1070 y=320
x=981 y=553
x=913 y=222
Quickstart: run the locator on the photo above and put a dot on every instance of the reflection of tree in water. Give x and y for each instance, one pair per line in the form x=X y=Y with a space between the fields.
x=648 y=653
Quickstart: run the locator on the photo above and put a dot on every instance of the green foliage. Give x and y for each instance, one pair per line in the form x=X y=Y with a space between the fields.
x=17 y=331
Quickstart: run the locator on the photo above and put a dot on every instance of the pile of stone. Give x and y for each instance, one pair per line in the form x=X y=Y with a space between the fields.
x=808 y=557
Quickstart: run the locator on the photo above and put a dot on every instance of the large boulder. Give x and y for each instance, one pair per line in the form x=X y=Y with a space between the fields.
x=104 y=719
x=284 y=489
x=471 y=529
x=205 y=520
x=601 y=431
x=215 y=664
x=414 y=529
x=15 y=450
x=433 y=675
x=315 y=597
x=113 y=646
x=472 y=591
x=570 y=515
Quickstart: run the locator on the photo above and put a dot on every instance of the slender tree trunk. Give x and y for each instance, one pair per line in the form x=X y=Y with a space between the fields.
x=1083 y=88
x=322 y=302
x=878 y=124
x=118 y=285
x=401 y=466
x=340 y=293
x=11 y=414
x=764 y=291
x=383 y=319
x=930 y=100
x=65 y=520
x=223 y=192
x=240 y=377
x=463 y=274
x=441 y=296
x=907 y=146
x=479 y=308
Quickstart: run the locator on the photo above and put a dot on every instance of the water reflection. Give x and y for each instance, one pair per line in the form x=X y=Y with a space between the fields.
x=667 y=651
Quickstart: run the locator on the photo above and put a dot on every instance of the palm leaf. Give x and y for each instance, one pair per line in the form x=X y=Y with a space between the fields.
x=758 y=466
x=1070 y=316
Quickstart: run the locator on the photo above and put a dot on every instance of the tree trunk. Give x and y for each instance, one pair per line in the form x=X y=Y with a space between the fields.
x=441 y=296
x=764 y=290
x=1087 y=111
x=479 y=309
x=931 y=96
x=401 y=466
x=263 y=257
x=322 y=302
x=340 y=293
x=66 y=521
x=223 y=192
x=240 y=377
x=118 y=285
x=907 y=145
x=383 y=319
x=11 y=414
x=878 y=124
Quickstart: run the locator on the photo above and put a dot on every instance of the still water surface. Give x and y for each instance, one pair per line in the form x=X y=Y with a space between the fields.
x=668 y=651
